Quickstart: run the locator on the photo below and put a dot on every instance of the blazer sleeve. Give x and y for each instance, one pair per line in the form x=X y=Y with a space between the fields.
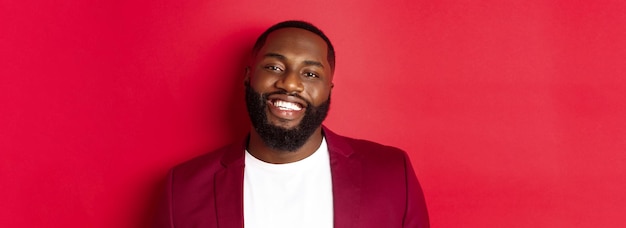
x=416 y=215
x=163 y=217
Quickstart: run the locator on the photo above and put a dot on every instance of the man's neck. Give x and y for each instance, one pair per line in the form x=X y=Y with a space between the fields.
x=259 y=150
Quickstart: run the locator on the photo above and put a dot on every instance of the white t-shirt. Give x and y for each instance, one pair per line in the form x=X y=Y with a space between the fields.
x=297 y=194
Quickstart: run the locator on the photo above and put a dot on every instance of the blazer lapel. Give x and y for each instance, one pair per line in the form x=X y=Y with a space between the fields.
x=229 y=188
x=346 y=178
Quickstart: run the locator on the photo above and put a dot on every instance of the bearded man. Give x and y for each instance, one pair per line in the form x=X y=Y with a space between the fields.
x=291 y=171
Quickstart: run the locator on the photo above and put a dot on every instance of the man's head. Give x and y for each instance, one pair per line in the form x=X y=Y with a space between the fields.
x=301 y=25
x=288 y=84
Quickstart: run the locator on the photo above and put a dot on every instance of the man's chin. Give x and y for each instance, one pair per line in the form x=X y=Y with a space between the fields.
x=285 y=124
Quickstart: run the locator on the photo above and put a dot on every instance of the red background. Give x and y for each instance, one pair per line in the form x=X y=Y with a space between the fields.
x=513 y=112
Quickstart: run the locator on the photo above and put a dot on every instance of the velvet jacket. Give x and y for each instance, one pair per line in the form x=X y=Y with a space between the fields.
x=373 y=186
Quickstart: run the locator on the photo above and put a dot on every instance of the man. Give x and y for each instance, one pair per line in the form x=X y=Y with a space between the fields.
x=291 y=171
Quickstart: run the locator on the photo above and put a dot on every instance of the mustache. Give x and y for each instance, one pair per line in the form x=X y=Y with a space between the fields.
x=293 y=94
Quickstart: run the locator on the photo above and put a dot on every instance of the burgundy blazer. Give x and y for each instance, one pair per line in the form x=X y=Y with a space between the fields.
x=373 y=186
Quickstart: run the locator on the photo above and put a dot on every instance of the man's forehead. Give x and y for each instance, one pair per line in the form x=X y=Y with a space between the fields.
x=294 y=38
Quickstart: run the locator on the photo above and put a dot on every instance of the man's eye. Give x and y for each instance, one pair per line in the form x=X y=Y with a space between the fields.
x=311 y=75
x=273 y=68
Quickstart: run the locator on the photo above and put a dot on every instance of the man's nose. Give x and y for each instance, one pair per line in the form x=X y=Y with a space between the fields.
x=290 y=82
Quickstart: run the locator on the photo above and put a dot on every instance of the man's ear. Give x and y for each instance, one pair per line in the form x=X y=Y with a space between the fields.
x=246 y=79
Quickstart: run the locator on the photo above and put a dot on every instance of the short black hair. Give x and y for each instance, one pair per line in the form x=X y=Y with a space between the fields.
x=301 y=25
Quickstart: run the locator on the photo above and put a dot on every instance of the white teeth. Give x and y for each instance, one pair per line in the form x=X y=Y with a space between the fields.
x=285 y=105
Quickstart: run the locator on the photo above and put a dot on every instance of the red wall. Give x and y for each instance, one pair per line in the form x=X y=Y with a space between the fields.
x=513 y=112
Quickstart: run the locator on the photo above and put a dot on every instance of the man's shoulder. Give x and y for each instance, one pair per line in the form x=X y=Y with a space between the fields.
x=369 y=145
x=208 y=163
x=362 y=148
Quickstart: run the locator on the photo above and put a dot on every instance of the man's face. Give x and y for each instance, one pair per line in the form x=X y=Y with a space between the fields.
x=289 y=88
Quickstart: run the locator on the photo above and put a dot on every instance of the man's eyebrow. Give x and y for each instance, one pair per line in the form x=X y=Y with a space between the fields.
x=275 y=55
x=313 y=63
x=282 y=57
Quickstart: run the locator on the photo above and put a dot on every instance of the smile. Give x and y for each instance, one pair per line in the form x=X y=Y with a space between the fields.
x=286 y=105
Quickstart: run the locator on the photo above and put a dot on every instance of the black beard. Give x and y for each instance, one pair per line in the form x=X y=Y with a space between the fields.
x=279 y=138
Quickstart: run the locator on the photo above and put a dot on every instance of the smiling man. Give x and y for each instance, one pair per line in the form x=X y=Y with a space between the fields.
x=291 y=171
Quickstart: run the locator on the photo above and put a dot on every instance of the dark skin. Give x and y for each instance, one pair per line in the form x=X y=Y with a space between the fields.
x=292 y=60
